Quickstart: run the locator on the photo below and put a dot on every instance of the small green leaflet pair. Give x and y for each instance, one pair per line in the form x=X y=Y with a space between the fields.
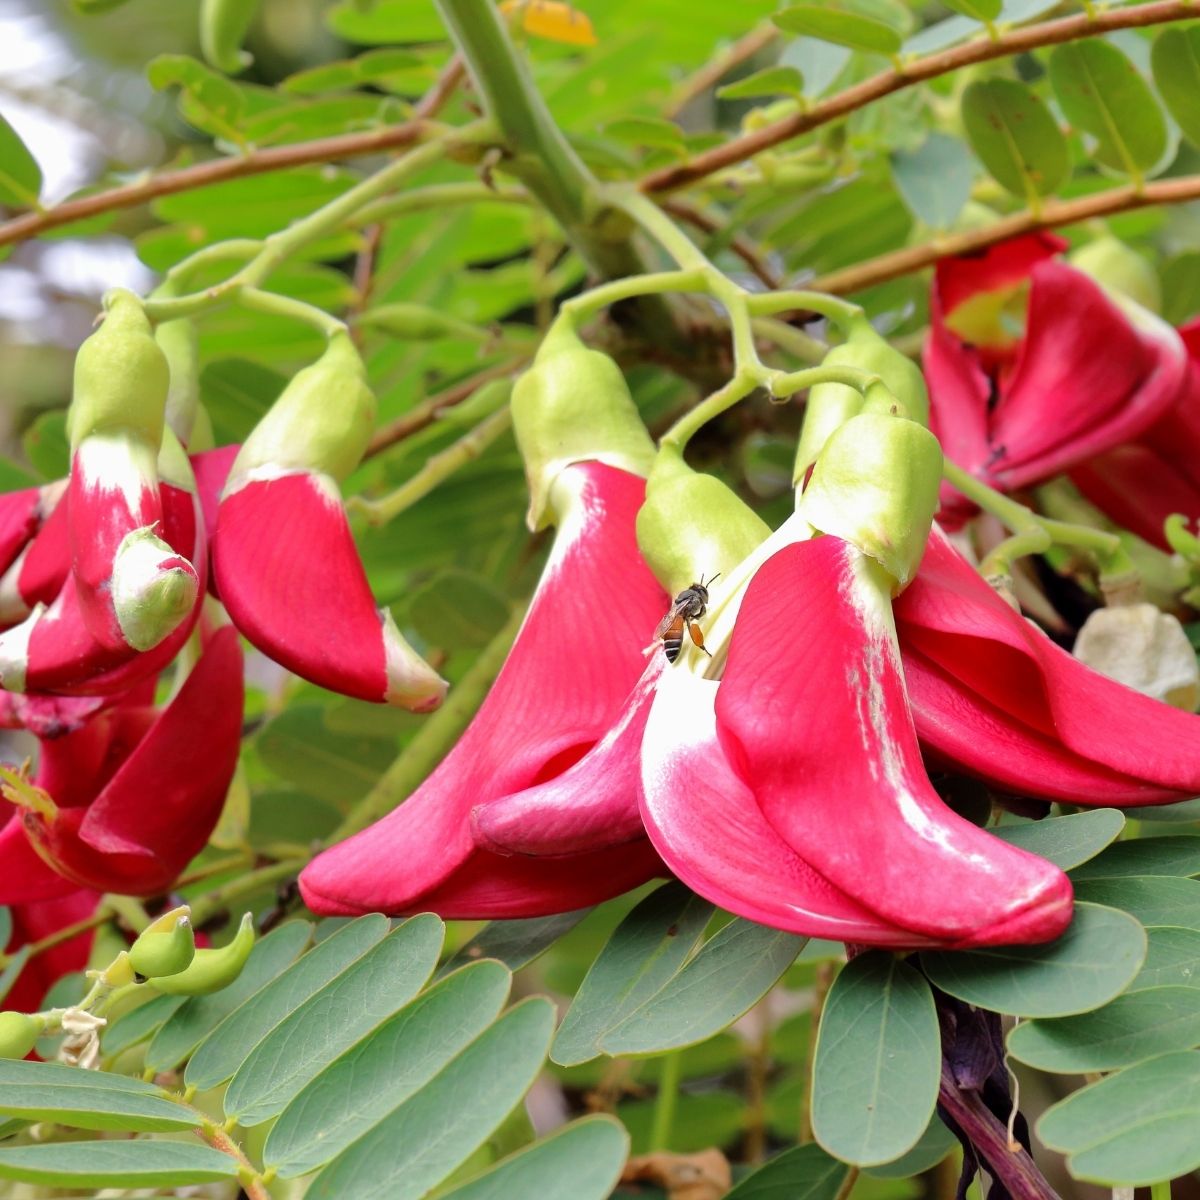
x=380 y=1082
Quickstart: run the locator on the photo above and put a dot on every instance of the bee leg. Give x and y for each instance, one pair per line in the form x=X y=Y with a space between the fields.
x=698 y=638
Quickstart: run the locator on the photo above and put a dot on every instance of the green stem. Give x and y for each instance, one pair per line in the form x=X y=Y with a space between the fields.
x=1161 y=1190
x=437 y=196
x=436 y=735
x=285 y=306
x=581 y=307
x=211 y=903
x=438 y=469
x=841 y=312
x=666 y=1101
x=788 y=337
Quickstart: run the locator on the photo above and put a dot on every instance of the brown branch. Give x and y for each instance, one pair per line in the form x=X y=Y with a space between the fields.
x=713 y=72
x=256 y=162
x=739 y=243
x=983 y=49
x=426 y=413
x=1053 y=215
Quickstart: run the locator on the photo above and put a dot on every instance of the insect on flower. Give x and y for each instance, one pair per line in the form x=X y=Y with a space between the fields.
x=690 y=605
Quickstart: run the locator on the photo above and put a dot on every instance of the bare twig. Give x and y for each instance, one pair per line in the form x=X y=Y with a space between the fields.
x=739 y=243
x=983 y=49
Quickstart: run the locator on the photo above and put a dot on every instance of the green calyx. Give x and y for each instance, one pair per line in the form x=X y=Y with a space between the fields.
x=573 y=405
x=121 y=377
x=211 y=970
x=18 y=1033
x=1122 y=269
x=866 y=349
x=180 y=345
x=692 y=525
x=875 y=485
x=166 y=946
x=321 y=421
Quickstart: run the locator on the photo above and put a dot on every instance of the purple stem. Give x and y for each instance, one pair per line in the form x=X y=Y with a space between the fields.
x=1013 y=1168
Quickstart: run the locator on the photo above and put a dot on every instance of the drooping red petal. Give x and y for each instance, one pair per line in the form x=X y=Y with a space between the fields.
x=34 y=921
x=156 y=812
x=20 y=514
x=560 y=690
x=47 y=716
x=211 y=468
x=289 y=573
x=25 y=877
x=813 y=716
x=1086 y=378
x=39 y=574
x=592 y=804
x=1003 y=265
x=704 y=821
x=951 y=618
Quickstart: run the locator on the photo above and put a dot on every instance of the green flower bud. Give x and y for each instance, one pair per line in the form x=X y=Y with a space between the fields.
x=692 y=525
x=875 y=485
x=223 y=26
x=166 y=946
x=865 y=348
x=180 y=345
x=419 y=323
x=573 y=405
x=828 y=406
x=211 y=970
x=322 y=420
x=18 y=1033
x=121 y=377
x=1120 y=268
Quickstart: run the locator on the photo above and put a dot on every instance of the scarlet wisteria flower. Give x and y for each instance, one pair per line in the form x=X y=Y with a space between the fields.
x=1144 y=481
x=284 y=559
x=125 y=797
x=33 y=921
x=1033 y=367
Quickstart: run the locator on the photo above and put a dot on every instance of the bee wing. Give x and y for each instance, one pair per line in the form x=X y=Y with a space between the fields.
x=664 y=626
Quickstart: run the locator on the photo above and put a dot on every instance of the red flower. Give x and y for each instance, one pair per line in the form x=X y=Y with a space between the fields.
x=1140 y=484
x=994 y=696
x=1087 y=374
x=463 y=844
x=31 y=922
x=123 y=801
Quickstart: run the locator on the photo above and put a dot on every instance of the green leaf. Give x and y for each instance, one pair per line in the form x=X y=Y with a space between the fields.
x=421 y=1142
x=1066 y=841
x=225 y=1049
x=457 y=609
x=384 y=1070
x=138 y=1024
x=770 y=81
x=710 y=1118
x=579 y=1162
x=515 y=943
x=645 y=951
x=647 y=131
x=331 y=1021
x=1154 y=900
x=878 y=1061
x=831 y=24
x=236 y=392
x=1101 y=92
x=386 y=21
x=1173 y=957
x=20 y=175
x=1175 y=61
x=935 y=1143
x=1093 y=961
x=46 y=446
x=10 y=973
x=1181 y=301
x=1015 y=137
x=1132 y=1027
x=801 y=1173
x=42 y=1091
x=200 y=1015
x=208 y=100
x=1145 y=856
x=934 y=179
x=123 y=1164
x=6 y=925
x=732 y=971
x=1136 y=1127
x=977 y=10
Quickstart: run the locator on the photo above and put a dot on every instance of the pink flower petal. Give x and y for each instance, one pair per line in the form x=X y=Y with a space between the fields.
x=289 y=573
x=20 y=515
x=952 y=619
x=562 y=687
x=813 y=715
x=25 y=876
x=704 y=821
x=36 y=920
x=1002 y=265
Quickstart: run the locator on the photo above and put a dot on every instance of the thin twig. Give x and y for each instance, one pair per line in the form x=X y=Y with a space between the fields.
x=713 y=72
x=364 y=276
x=1054 y=214
x=982 y=49
x=256 y=162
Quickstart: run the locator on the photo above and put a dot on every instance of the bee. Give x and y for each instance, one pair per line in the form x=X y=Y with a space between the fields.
x=690 y=605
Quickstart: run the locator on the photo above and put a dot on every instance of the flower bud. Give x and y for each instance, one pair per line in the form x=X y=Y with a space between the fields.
x=153 y=589
x=166 y=946
x=573 y=405
x=321 y=421
x=179 y=344
x=223 y=27
x=211 y=970
x=1120 y=268
x=692 y=525
x=121 y=377
x=420 y=323
x=18 y=1033
x=875 y=485
x=864 y=348
x=829 y=405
